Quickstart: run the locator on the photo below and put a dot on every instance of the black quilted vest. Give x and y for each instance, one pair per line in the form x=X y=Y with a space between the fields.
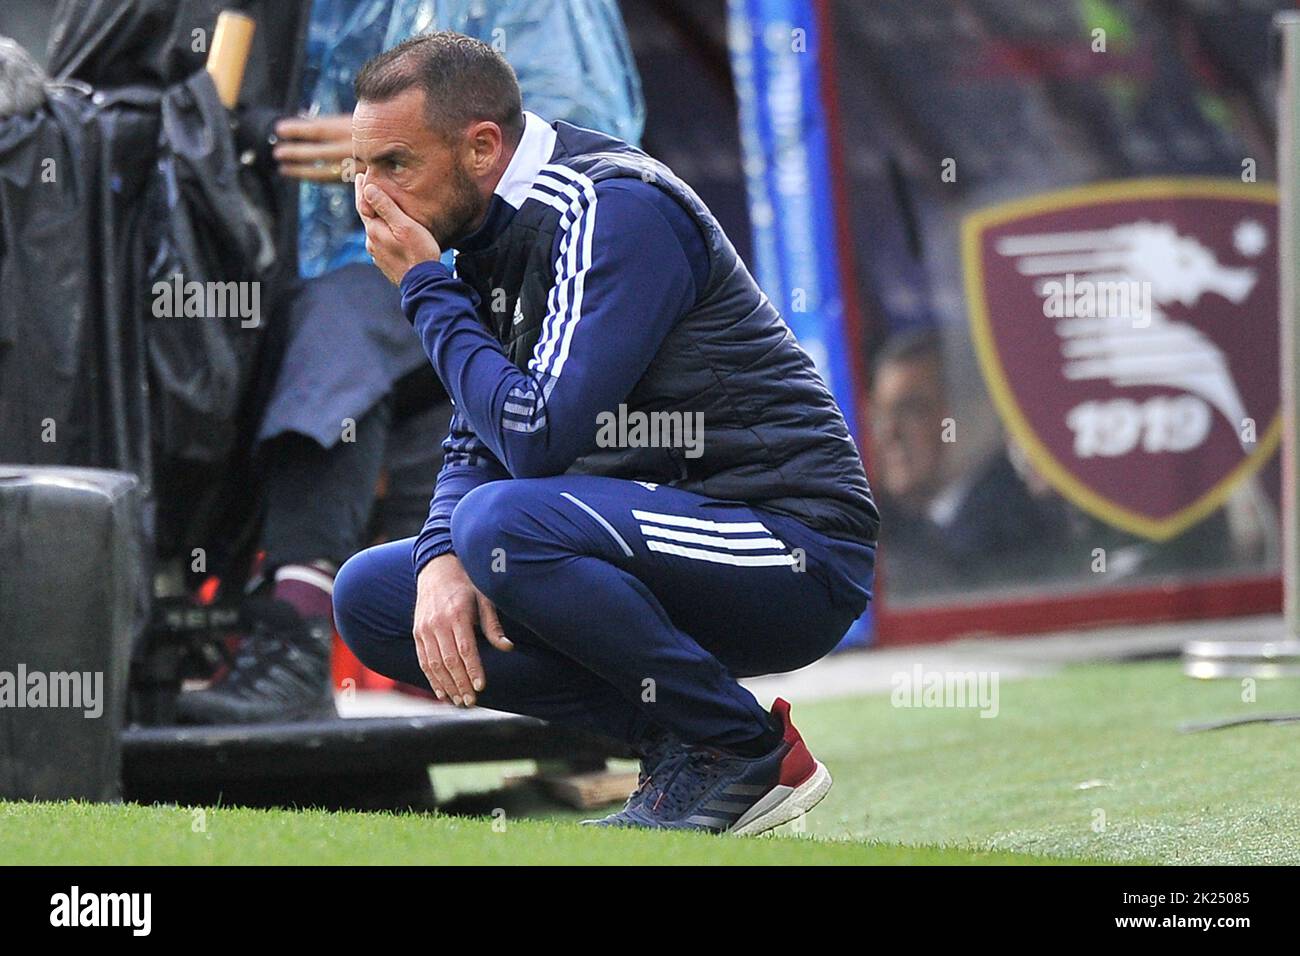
x=773 y=436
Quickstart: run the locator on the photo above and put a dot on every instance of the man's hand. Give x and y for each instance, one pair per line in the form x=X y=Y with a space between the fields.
x=314 y=149
x=447 y=608
x=394 y=240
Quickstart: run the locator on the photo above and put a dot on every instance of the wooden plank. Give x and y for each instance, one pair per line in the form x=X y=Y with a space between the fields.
x=585 y=791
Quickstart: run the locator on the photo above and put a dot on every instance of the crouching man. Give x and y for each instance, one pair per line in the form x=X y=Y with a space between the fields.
x=570 y=570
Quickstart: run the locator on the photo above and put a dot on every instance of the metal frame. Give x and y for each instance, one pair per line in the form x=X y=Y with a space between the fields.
x=1280 y=657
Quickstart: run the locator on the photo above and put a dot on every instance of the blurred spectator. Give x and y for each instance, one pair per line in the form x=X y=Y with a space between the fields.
x=949 y=529
x=945 y=530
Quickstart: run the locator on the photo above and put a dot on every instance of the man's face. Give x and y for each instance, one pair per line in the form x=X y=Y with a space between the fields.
x=907 y=409
x=424 y=174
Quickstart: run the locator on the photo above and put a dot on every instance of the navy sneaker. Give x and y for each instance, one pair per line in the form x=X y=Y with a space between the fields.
x=701 y=788
x=659 y=746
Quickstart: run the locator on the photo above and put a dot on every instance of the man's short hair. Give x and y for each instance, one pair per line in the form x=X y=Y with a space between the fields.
x=914 y=345
x=464 y=81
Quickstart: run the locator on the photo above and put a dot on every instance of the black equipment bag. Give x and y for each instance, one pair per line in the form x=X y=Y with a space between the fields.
x=72 y=599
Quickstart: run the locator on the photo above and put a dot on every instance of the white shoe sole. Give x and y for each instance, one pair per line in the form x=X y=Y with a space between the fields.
x=783 y=804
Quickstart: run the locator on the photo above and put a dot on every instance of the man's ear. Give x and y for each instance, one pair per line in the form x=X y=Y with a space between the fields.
x=485 y=145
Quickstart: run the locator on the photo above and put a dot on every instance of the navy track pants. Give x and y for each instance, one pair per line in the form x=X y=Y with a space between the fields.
x=629 y=604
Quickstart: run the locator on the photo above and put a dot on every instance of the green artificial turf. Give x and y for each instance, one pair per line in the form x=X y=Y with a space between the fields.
x=83 y=834
x=1085 y=765
x=1088 y=763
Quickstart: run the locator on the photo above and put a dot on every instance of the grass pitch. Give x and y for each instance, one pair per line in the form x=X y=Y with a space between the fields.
x=1084 y=766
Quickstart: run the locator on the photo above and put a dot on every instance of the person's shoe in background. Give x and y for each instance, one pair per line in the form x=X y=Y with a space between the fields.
x=281 y=671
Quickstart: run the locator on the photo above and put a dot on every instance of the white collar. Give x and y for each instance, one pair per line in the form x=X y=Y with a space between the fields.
x=532 y=153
